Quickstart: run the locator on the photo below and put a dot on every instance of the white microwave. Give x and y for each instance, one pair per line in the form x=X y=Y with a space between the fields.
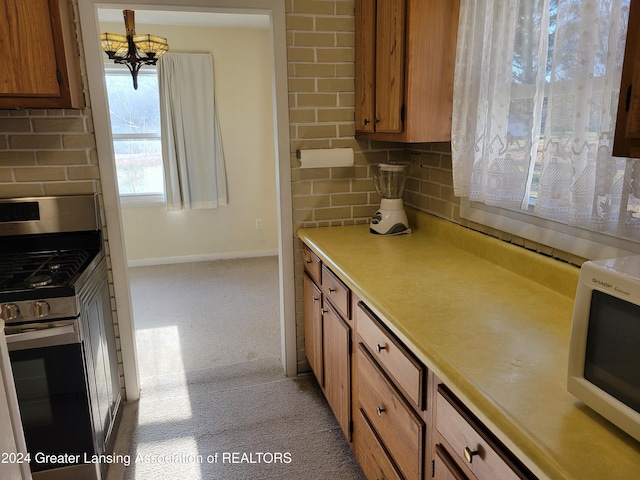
x=604 y=351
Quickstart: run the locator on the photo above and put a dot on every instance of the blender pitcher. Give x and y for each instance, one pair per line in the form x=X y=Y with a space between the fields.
x=391 y=218
x=390 y=180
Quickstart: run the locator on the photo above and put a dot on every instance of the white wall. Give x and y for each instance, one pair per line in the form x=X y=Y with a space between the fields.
x=243 y=80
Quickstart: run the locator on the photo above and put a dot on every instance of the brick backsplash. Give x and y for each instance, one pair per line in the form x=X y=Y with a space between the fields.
x=429 y=188
x=47 y=152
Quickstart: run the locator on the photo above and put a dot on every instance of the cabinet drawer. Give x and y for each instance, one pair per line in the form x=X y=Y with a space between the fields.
x=400 y=429
x=468 y=446
x=444 y=468
x=336 y=291
x=405 y=369
x=311 y=264
x=371 y=455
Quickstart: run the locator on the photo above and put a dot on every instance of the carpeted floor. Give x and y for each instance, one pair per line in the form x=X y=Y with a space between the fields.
x=215 y=403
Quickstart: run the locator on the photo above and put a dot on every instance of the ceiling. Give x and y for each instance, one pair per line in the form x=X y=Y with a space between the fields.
x=192 y=19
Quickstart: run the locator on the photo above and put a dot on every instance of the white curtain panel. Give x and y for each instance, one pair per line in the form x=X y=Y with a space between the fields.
x=192 y=151
x=535 y=96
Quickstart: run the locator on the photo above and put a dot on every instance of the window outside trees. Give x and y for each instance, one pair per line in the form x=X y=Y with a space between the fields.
x=135 y=127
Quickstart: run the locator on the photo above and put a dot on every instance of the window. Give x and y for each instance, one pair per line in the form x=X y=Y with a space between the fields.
x=135 y=129
x=535 y=100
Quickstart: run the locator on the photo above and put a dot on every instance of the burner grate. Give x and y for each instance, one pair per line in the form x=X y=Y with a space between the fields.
x=38 y=269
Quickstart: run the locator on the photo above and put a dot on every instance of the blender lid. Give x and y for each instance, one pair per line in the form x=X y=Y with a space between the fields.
x=392 y=167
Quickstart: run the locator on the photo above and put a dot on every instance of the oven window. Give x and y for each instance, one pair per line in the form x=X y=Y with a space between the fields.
x=611 y=360
x=53 y=401
x=31 y=383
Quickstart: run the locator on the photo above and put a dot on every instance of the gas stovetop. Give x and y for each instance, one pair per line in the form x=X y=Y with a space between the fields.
x=21 y=271
x=48 y=248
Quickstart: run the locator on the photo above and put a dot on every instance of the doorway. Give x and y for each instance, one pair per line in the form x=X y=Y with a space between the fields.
x=275 y=12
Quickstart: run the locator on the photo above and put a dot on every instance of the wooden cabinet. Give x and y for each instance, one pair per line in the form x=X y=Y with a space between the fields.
x=313 y=327
x=464 y=448
x=405 y=56
x=402 y=421
x=337 y=365
x=627 y=135
x=444 y=467
x=372 y=456
x=328 y=336
x=392 y=357
x=399 y=427
x=39 y=55
x=390 y=386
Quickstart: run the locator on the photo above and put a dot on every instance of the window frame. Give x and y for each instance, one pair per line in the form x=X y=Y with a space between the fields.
x=134 y=199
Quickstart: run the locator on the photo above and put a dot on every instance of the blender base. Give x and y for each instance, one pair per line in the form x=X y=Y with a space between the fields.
x=389 y=222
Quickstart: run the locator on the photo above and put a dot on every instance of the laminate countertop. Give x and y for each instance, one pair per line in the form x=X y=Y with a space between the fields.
x=493 y=321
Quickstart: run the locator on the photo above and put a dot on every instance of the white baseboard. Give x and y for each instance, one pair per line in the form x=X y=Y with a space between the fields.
x=144 y=262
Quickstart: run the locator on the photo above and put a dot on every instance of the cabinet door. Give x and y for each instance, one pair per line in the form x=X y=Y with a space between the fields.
x=365 y=64
x=380 y=65
x=627 y=136
x=337 y=366
x=390 y=61
x=39 y=55
x=313 y=327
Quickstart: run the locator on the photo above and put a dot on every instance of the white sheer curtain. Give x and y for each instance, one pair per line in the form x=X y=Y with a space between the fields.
x=535 y=98
x=192 y=151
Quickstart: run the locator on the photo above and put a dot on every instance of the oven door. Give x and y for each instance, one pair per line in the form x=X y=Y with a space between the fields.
x=48 y=369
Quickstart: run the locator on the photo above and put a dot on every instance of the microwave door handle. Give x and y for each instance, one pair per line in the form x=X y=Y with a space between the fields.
x=45 y=337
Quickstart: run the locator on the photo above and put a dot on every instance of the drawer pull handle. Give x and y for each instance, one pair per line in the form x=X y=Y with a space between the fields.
x=380 y=348
x=332 y=290
x=380 y=410
x=308 y=261
x=323 y=311
x=469 y=454
x=315 y=299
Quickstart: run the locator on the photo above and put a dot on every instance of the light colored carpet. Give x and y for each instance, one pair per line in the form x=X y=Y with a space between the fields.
x=215 y=403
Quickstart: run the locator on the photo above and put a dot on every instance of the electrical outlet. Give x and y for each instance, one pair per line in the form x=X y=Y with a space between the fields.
x=258 y=224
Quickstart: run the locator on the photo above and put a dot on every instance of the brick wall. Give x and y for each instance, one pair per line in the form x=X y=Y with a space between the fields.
x=47 y=152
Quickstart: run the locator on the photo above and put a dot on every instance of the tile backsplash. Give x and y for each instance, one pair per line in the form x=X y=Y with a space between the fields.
x=47 y=152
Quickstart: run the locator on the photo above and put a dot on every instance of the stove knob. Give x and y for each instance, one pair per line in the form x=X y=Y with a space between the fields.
x=41 y=309
x=10 y=311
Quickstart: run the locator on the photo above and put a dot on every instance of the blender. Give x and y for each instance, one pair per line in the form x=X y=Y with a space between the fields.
x=391 y=218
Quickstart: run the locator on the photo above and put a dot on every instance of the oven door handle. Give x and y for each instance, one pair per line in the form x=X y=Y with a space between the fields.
x=44 y=337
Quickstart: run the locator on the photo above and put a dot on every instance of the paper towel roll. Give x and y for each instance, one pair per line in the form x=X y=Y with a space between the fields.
x=326 y=157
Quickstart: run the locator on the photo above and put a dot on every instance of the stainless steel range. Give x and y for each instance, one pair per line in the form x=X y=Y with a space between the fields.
x=54 y=298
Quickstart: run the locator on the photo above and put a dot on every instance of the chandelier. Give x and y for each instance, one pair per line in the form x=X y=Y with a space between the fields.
x=133 y=50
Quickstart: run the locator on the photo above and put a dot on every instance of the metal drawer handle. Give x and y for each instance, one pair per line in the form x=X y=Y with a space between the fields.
x=469 y=454
x=315 y=299
x=332 y=290
x=380 y=410
x=380 y=348
x=308 y=261
x=323 y=311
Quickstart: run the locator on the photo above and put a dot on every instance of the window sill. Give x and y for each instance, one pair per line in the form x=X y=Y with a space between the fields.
x=573 y=240
x=141 y=201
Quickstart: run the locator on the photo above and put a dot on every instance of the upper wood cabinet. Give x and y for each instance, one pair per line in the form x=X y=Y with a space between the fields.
x=405 y=56
x=39 y=55
x=627 y=136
